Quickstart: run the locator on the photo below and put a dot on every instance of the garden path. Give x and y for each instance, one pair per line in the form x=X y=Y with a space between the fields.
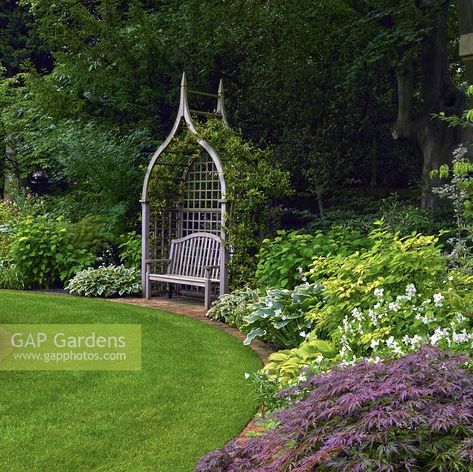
x=193 y=308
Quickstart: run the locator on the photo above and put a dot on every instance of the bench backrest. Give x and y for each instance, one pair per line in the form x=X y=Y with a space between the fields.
x=191 y=254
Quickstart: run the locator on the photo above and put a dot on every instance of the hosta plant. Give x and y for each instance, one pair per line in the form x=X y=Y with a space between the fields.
x=280 y=316
x=106 y=281
x=412 y=414
x=234 y=307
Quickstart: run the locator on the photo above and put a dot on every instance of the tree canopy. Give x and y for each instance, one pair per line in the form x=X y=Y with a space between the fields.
x=326 y=84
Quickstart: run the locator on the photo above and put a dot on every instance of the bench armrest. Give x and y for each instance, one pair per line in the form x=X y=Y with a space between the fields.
x=207 y=270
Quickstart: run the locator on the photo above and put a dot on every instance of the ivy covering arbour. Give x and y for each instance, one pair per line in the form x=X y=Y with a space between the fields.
x=253 y=183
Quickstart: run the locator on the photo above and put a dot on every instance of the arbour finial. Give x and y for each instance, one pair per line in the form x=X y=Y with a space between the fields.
x=184 y=79
x=184 y=114
x=221 y=103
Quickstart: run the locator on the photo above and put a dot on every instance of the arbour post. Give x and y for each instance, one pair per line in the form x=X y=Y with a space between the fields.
x=224 y=252
x=145 y=220
x=465 y=24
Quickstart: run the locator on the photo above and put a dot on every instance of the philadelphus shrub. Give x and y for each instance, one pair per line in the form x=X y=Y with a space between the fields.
x=413 y=414
x=396 y=326
x=106 y=281
x=392 y=327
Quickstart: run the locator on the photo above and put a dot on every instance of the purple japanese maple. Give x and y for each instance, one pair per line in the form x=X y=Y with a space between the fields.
x=412 y=414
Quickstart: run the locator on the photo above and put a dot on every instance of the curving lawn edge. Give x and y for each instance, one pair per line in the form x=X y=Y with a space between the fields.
x=189 y=398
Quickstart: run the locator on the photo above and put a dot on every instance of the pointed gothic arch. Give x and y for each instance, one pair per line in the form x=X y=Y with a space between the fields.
x=201 y=204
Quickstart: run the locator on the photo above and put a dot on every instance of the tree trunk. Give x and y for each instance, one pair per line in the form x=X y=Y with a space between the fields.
x=434 y=138
x=320 y=203
x=437 y=142
x=374 y=163
x=465 y=26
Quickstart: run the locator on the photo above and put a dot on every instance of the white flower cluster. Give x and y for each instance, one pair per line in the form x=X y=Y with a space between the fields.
x=394 y=327
x=302 y=274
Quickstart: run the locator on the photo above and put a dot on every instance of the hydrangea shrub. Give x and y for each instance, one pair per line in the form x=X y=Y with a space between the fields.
x=413 y=414
x=282 y=259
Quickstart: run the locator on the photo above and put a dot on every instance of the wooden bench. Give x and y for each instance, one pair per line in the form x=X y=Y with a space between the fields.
x=193 y=260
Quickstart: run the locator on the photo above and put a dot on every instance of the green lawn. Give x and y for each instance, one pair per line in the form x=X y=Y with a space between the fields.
x=190 y=396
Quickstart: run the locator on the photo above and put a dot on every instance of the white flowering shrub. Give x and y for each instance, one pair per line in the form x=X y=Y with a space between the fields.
x=393 y=326
x=106 y=281
x=396 y=326
x=281 y=316
x=459 y=191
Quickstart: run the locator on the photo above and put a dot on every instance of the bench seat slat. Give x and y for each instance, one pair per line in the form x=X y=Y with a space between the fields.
x=186 y=279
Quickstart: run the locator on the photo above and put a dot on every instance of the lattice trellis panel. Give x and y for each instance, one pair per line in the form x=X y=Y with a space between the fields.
x=201 y=198
x=163 y=228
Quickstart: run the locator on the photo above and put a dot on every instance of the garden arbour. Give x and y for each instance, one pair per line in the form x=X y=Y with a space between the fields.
x=204 y=178
x=190 y=192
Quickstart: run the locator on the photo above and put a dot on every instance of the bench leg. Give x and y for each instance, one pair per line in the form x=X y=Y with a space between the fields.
x=147 y=287
x=170 y=290
x=207 y=294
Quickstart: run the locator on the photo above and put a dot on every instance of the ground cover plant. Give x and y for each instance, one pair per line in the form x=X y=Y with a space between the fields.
x=189 y=398
x=106 y=281
x=410 y=414
x=233 y=308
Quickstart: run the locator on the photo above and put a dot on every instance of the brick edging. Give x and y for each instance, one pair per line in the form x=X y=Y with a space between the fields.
x=261 y=349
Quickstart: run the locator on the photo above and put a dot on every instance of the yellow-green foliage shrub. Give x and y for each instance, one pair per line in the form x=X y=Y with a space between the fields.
x=392 y=262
